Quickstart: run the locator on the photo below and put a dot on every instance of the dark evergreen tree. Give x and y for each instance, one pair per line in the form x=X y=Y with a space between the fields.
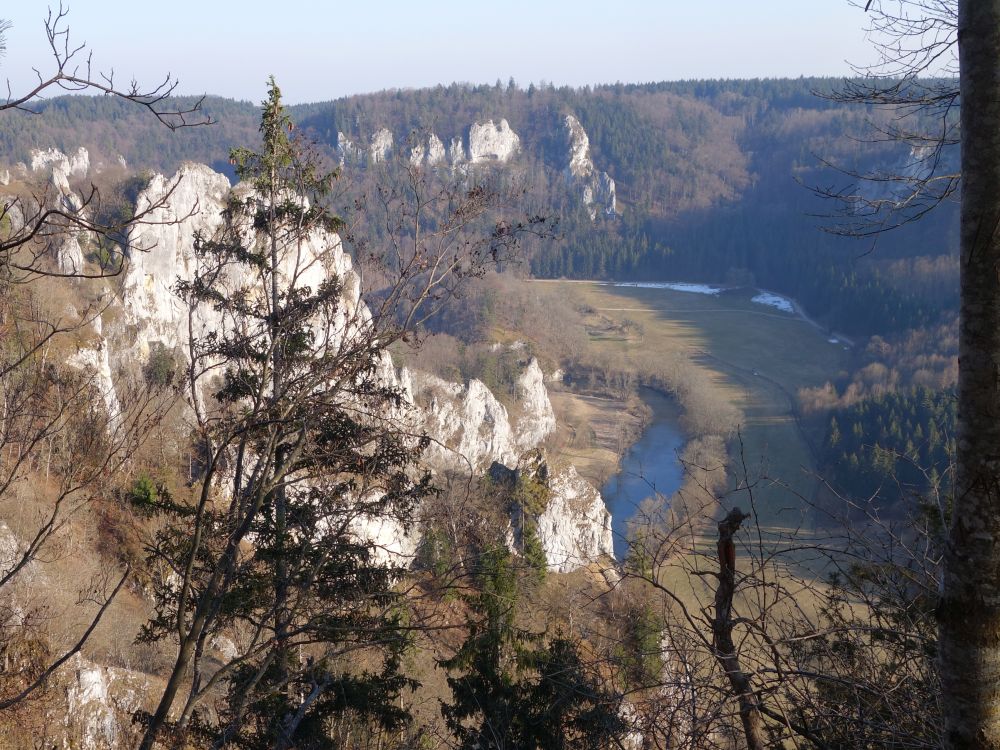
x=514 y=691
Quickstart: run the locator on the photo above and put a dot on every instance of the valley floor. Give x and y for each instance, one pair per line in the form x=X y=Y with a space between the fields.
x=752 y=356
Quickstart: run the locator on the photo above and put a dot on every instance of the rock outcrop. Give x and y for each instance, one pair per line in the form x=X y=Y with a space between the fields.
x=596 y=189
x=565 y=512
x=162 y=251
x=456 y=152
x=471 y=429
x=489 y=142
x=55 y=162
x=96 y=360
x=380 y=148
x=575 y=527
x=100 y=704
x=484 y=142
x=537 y=420
x=428 y=152
x=348 y=152
x=58 y=168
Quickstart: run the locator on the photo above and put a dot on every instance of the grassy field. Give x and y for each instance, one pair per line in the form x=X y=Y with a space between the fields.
x=755 y=356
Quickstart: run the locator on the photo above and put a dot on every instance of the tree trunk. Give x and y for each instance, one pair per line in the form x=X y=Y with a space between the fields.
x=969 y=610
x=722 y=633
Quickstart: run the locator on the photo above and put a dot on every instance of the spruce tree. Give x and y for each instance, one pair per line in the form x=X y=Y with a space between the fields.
x=300 y=446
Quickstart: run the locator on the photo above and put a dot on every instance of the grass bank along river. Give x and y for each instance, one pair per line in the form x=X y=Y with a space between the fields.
x=730 y=360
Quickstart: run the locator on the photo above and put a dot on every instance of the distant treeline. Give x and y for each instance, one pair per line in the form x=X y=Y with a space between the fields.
x=712 y=178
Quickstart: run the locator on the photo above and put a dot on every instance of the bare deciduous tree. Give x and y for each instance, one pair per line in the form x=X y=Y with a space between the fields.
x=63 y=437
x=912 y=93
x=72 y=71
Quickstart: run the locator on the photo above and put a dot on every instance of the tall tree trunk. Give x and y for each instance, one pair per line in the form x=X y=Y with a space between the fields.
x=969 y=610
x=722 y=633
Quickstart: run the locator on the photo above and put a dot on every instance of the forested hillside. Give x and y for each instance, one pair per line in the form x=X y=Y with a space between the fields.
x=712 y=178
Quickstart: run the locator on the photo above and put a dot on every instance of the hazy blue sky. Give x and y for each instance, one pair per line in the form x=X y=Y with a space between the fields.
x=322 y=50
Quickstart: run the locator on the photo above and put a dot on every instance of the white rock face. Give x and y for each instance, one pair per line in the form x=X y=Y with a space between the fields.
x=596 y=189
x=10 y=548
x=54 y=160
x=98 y=700
x=537 y=419
x=348 y=152
x=392 y=543
x=225 y=646
x=456 y=152
x=59 y=169
x=471 y=429
x=69 y=254
x=486 y=142
x=162 y=251
x=98 y=364
x=429 y=154
x=489 y=142
x=470 y=426
x=575 y=528
x=380 y=148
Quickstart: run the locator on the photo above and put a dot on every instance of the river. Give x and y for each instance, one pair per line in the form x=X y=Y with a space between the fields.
x=649 y=467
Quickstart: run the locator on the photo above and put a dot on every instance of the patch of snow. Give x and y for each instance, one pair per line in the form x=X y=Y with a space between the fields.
x=677 y=286
x=774 y=300
x=834 y=340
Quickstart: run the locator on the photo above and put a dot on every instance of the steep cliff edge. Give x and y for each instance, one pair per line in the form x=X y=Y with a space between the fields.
x=596 y=189
x=469 y=427
x=575 y=527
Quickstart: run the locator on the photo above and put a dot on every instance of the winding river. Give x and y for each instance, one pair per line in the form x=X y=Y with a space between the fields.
x=649 y=467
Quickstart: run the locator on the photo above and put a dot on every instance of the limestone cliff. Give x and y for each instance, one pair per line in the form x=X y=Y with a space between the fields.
x=483 y=142
x=100 y=702
x=56 y=169
x=596 y=189
x=348 y=152
x=380 y=147
x=428 y=152
x=575 y=527
x=471 y=429
x=162 y=251
x=489 y=142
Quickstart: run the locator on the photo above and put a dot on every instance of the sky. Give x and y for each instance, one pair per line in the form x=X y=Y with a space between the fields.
x=323 y=50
